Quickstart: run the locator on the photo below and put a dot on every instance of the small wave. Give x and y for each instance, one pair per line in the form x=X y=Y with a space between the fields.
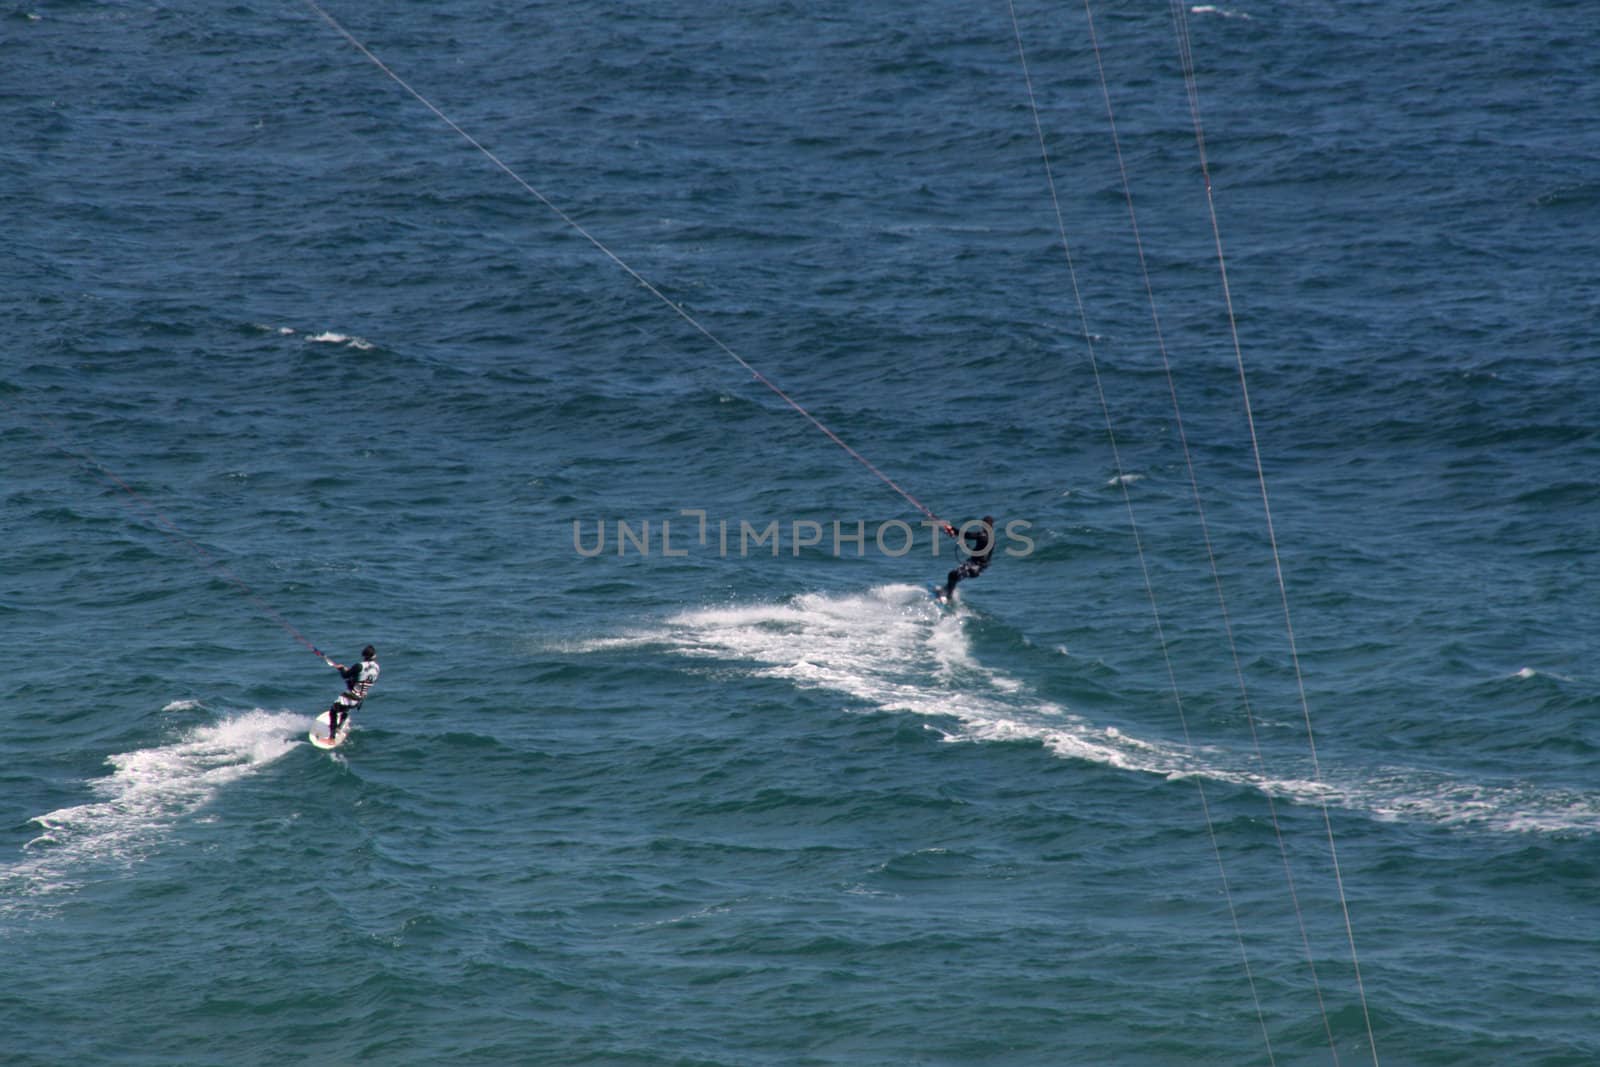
x=1580 y=195
x=327 y=337
x=358 y=343
x=1530 y=672
x=1212 y=9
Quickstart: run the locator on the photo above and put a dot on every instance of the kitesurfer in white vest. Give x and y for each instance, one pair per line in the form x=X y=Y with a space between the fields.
x=358 y=681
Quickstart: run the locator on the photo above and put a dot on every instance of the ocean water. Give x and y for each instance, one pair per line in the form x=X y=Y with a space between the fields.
x=659 y=771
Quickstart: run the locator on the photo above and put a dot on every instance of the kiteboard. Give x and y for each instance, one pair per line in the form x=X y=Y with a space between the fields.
x=941 y=595
x=319 y=736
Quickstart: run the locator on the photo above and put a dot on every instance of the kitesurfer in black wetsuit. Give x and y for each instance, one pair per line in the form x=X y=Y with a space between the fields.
x=978 y=544
x=358 y=681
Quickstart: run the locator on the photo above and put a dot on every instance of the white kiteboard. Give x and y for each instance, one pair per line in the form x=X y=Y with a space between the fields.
x=319 y=736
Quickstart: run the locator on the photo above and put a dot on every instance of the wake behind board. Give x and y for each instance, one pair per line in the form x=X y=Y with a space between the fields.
x=319 y=736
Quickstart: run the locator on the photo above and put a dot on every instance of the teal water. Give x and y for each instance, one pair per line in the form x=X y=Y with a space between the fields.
x=675 y=803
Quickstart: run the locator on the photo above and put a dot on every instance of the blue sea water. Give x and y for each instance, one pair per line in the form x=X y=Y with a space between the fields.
x=284 y=356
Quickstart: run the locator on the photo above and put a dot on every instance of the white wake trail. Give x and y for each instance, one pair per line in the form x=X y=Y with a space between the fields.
x=893 y=649
x=147 y=793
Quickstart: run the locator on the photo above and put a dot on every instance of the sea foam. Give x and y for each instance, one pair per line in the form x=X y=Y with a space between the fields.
x=891 y=648
x=148 y=791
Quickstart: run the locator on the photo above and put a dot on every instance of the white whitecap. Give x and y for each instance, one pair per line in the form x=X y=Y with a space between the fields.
x=361 y=344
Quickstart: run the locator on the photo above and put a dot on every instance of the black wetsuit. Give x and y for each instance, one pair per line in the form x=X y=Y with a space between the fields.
x=358 y=679
x=980 y=548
